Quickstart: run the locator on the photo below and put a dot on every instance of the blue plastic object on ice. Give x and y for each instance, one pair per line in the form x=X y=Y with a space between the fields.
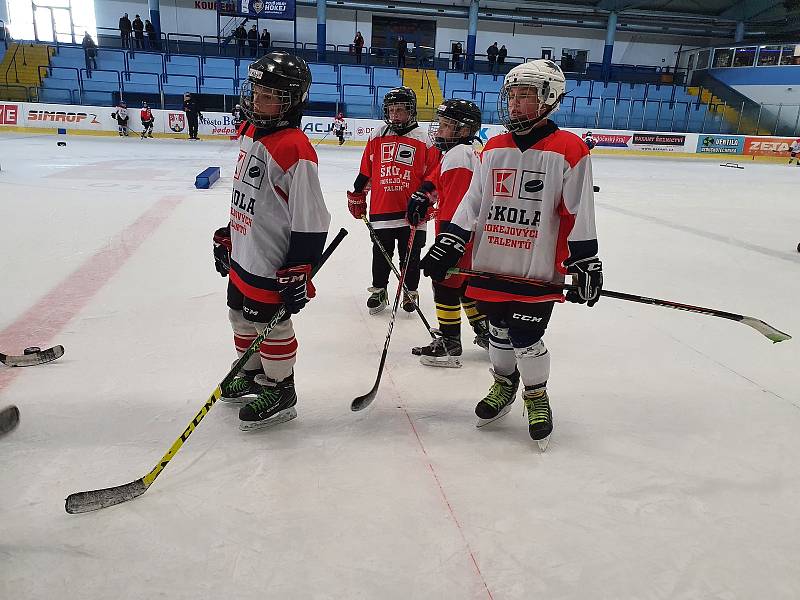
x=207 y=178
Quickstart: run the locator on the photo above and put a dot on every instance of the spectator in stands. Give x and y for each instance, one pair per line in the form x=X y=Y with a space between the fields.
x=152 y=36
x=358 y=46
x=252 y=40
x=460 y=53
x=192 y=110
x=491 y=54
x=265 y=40
x=240 y=33
x=455 y=52
x=125 y=28
x=90 y=52
x=501 y=57
x=138 y=32
x=402 y=47
x=567 y=63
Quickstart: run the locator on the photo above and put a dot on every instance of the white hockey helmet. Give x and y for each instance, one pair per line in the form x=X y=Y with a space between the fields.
x=546 y=78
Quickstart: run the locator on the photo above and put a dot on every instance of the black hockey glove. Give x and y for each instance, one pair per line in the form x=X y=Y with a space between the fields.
x=222 y=250
x=444 y=254
x=587 y=274
x=418 y=206
x=295 y=287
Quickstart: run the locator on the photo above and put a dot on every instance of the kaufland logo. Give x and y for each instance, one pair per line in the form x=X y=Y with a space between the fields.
x=8 y=114
x=504 y=180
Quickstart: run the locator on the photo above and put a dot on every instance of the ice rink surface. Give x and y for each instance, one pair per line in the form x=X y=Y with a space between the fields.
x=672 y=472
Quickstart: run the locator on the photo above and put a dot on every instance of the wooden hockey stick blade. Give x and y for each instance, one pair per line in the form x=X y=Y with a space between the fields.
x=9 y=419
x=33 y=359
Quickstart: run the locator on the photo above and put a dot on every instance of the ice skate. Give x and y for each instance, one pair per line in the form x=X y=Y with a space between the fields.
x=273 y=405
x=481 y=335
x=377 y=301
x=243 y=387
x=410 y=300
x=498 y=401
x=540 y=416
x=441 y=352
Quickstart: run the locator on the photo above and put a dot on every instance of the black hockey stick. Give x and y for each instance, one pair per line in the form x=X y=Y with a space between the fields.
x=9 y=419
x=36 y=357
x=364 y=401
x=760 y=326
x=388 y=258
x=82 y=502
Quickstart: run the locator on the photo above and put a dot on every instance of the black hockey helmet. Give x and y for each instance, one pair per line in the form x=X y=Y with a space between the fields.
x=460 y=114
x=287 y=79
x=405 y=96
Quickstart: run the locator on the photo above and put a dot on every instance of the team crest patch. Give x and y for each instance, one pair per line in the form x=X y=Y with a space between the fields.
x=405 y=154
x=177 y=122
x=258 y=6
x=255 y=172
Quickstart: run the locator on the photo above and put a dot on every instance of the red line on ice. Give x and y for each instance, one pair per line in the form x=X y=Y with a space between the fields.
x=43 y=321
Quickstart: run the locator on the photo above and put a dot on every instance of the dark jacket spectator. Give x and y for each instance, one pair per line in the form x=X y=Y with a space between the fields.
x=125 y=29
x=89 y=51
x=138 y=32
x=252 y=40
x=358 y=46
x=402 y=48
x=192 y=110
x=501 y=55
x=152 y=34
x=265 y=40
x=455 y=51
x=491 y=53
x=240 y=33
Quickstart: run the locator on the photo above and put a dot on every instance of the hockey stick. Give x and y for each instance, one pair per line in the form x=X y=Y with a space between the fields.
x=322 y=139
x=760 y=326
x=388 y=258
x=39 y=357
x=82 y=502
x=364 y=401
x=9 y=419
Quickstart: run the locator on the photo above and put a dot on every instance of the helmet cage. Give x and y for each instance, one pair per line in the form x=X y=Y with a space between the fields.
x=247 y=101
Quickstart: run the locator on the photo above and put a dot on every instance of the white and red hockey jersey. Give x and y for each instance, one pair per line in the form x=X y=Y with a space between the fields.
x=395 y=165
x=146 y=115
x=451 y=178
x=531 y=208
x=278 y=213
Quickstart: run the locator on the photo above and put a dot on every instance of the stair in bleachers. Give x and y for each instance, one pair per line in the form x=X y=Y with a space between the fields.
x=426 y=85
x=21 y=63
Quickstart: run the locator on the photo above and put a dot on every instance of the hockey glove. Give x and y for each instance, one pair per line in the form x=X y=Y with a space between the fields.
x=357 y=204
x=418 y=206
x=222 y=250
x=295 y=287
x=445 y=253
x=587 y=274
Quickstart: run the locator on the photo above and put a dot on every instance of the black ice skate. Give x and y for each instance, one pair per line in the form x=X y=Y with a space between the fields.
x=481 y=334
x=377 y=301
x=243 y=388
x=273 y=405
x=540 y=416
x=441 y=352
x=410 y=300
x=498 y=401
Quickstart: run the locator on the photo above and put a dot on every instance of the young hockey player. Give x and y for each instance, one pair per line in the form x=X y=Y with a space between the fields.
x=339 y=127
x=277 y=232
x=794 y=150
x=531 y=209
x=453 y=133
x=394 y=164
x=237 y=116
x=589 y=140
x=121 y=115
x=147 y=121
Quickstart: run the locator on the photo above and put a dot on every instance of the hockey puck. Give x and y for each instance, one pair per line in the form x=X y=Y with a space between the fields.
x=61 y=143
x=798 y=247
x=32 y=350
x=597 y=188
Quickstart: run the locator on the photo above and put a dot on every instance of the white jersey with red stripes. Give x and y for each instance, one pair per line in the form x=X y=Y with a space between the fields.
x=396 y=165
x=530 y=210
x=276 y=193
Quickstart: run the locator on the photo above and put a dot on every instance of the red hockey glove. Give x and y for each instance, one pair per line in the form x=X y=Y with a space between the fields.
x=357 y=204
